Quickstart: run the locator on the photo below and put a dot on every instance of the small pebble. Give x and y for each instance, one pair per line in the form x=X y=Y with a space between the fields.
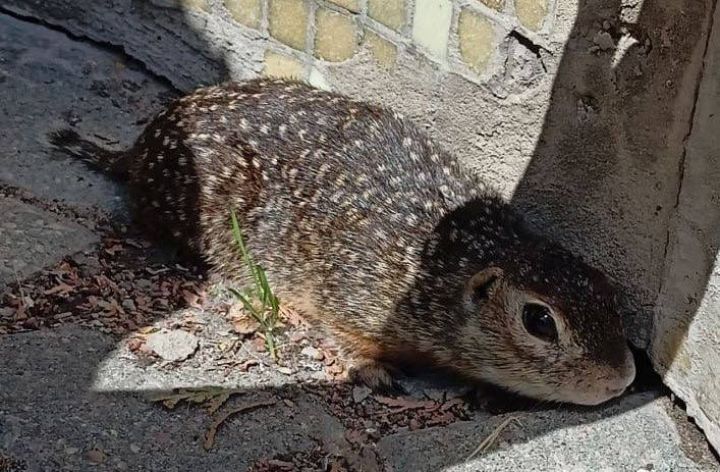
x=312 y=353
x=360 y=393
x=175 y=345
x=128 y=304
x=96 y=456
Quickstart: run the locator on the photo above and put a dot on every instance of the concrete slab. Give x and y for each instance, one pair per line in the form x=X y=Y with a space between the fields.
x=635 y=434
x=52 y=417
x=50 y=80
x=686 y=345
x=74 y=399
x=31 y=238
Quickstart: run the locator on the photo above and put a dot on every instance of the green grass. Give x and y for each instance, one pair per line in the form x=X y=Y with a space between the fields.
x=258 y=299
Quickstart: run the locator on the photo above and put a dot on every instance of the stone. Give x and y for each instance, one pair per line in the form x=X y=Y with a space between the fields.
x=390 y=13
x=335 y=36
x=173 y=346
x=283 y=66
x=288 y=22
x=685 y=344
x=431 y=25
x=245 y=12
x=531 y=13
x=360 y=393
x=494 y=4
x=95 y=456
x=313 y=353
x=383 y=51
x=476 y=37
x=317 y=79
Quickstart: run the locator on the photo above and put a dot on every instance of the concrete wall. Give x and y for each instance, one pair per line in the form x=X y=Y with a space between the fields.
x=579 y=111
x=686 y=335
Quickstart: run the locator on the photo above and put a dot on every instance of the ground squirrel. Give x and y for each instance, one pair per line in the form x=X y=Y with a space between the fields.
x=375 y=232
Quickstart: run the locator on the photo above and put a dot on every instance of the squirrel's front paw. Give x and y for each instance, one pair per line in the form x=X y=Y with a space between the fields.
x=376 y=376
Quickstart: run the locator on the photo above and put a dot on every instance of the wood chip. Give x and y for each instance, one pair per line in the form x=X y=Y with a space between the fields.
x=212 y=430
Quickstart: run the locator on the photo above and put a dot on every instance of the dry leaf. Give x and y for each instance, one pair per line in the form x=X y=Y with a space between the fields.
x=147 y=329
x=214 y=397
x=114 y=249
x=293 y=317
x=245 y=325
x=451 y=403
x=247 y=364
x=191 y=299
x=135 y=344
x=61 y=289
x=403 y=404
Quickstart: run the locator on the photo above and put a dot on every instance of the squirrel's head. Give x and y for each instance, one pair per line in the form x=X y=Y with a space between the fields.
x=542 y=323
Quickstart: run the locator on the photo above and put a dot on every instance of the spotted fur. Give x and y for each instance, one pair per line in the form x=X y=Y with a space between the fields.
x=374 y=231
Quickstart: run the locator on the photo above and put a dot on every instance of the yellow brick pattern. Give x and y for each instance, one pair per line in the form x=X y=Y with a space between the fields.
x=246 y=12
x=391 y=13
x=531 y=13
x=335 y=37
x=384 y=52
x=282 y=66
x=476 y=37
x=494 y=4
x=288 y=21
x=431 y=25
x=457 y=35
x=352 y=5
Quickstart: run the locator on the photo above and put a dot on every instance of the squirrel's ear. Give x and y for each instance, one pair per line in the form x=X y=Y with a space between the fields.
x=481 y=286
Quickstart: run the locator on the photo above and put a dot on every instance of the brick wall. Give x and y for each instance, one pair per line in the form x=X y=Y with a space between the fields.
x=460 y=37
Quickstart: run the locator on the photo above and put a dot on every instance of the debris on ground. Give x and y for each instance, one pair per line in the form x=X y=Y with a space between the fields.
x=212 y=430
x=116 y=289
x=490 y=440
x=8 y=464
x=302 y=461
x=212 y=398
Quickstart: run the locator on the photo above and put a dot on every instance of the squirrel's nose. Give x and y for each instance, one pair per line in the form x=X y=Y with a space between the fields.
x=626 y=376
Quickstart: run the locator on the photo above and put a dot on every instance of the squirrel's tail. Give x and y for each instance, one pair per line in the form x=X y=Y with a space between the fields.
x=111 y=163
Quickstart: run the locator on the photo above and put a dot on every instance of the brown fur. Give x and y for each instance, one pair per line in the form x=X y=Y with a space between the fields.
x=375 y=231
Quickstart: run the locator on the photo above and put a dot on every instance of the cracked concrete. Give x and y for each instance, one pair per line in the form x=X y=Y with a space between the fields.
x=32 y=239
x=685 y=347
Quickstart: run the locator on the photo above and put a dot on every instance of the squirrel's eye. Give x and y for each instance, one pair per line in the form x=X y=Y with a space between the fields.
x=539 y=322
